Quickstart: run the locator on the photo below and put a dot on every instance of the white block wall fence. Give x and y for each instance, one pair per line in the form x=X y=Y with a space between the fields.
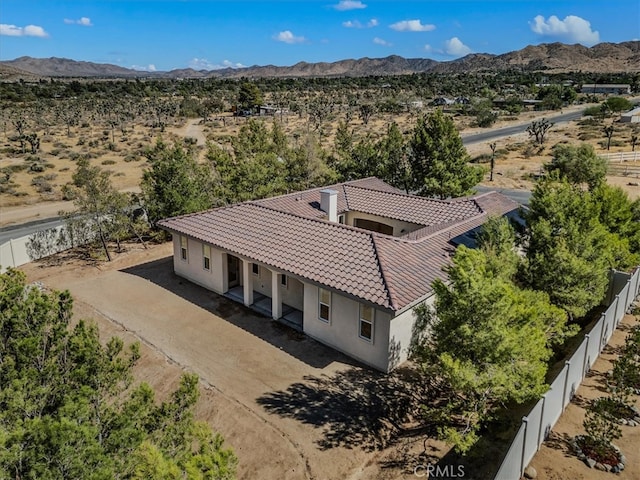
x=538 y=423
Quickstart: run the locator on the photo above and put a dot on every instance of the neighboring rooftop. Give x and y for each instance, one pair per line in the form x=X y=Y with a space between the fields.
x=289 y=233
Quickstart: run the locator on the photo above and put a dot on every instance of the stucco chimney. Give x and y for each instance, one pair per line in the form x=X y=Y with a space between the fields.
x=329 y=204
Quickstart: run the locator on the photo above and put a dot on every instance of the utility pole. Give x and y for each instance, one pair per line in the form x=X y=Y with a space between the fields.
x=493 y=159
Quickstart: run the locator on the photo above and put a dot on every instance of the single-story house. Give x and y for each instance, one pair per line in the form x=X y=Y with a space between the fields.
x=345 y=264
x=614 y=89
x=632 y=116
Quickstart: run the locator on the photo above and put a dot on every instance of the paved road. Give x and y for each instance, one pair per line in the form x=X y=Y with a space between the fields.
x=520 y=196
x=23 y=229
x=516 y=129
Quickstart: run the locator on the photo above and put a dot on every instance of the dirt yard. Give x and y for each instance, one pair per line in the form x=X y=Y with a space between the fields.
x=555 y=460
x=290 y=407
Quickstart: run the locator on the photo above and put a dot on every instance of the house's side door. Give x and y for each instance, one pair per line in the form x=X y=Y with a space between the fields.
x=233 y=264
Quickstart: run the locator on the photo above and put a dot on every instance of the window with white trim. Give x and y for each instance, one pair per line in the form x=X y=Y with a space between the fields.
x=324 y=305
x=365 y=327
x=255 y=268
x=341 y=218
x=183 y=247
x=283 y=280
x=206 y=256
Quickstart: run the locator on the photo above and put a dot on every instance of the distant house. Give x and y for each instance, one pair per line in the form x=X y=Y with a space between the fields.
x=613 y=89
x=345 y=264
x=632 y=116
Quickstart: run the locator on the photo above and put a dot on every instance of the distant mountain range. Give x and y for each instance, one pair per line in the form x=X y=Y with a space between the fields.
x=551 y=58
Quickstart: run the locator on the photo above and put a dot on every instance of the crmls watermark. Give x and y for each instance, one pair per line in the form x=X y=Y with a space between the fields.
x=439 y=471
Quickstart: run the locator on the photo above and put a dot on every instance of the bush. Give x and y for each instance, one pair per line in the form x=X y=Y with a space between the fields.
x=108 y=162
x=36 y=168
x=41 y=184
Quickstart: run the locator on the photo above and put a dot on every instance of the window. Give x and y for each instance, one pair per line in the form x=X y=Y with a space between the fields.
x=366 y=322
x=255 y=268
x=183 y=247
x=324 y=307
x=283 y=280
x=206 y=257
x=341 y=218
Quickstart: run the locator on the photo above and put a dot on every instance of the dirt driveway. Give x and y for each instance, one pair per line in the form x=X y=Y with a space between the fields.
x=289 y=406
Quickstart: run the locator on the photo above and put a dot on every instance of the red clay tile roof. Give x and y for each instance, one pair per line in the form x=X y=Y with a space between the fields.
x=409 y=208
x=391 y=272
x=307 y=203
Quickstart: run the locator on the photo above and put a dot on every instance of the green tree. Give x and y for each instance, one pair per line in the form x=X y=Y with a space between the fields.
x=486 y=339
x=249 y=96
x=578 y=164
x=438 y=160
x=394 y=166
x=69 y=409
x=175 y=183
x=618 y=104
x=97 y=201
x=569 y=251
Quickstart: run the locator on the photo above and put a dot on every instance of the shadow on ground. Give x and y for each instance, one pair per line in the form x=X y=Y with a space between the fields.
x=355 y=408
x=296 y=344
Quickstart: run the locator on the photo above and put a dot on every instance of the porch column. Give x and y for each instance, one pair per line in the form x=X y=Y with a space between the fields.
x=247 y=280
x=276 y=302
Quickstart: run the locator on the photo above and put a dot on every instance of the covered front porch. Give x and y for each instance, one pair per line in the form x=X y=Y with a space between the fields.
x=291 y=316
x=266 y=291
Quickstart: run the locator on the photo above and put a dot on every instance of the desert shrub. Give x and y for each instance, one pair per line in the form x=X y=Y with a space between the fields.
x=64 y=169
x=69 y=192
x=49 y=165
x=81 y=141
x=16 y=168
x=130 y=157
x=36 y=168
x=32 y=158
x=108 y=162
x=41 y=184
x=482 y=158
x=118 y=174
x=56 y=151
x=587 y=136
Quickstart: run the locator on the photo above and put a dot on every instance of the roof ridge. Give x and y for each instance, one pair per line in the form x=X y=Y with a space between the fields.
x=392 y=303
x=409 y=195
x=346 y=197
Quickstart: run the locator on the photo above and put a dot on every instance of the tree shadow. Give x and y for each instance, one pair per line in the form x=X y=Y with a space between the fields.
x=356 y=407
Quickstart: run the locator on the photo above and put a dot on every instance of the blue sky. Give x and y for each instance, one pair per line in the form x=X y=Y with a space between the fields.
x=168 y=34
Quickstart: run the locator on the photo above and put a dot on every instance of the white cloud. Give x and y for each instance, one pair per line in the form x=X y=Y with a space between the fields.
x=84 y=21
x=428 y=48
x=28 y=31
x=141 y=68
x=455 y=47
x=287 y=36
x=349 y=5
x=380 y=41
x=356 y=24
x=412 y=26
x=204 y=64
x=572 y=28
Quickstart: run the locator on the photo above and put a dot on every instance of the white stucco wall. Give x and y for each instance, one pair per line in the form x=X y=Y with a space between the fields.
x=293 y=293
x=398 y=225
x=400 y=333
x=193 y=268
x=341 y=332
